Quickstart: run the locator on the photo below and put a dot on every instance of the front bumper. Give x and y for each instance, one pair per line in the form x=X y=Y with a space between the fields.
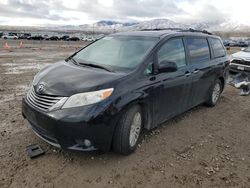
x=66 y=128
x=239 y=67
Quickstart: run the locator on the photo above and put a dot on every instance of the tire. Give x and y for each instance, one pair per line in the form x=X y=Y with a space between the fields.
x=125 y=139
x=214 y=94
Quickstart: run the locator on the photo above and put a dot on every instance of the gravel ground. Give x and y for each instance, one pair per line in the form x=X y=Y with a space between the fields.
x=204 y=147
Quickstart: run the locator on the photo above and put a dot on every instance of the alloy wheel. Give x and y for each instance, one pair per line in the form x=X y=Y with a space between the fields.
x=135 y=129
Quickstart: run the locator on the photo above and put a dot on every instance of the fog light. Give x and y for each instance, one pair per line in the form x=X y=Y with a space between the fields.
x=83 y=142
x=87 y=143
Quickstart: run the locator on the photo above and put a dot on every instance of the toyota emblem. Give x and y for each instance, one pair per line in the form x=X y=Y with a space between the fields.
x=40 y=88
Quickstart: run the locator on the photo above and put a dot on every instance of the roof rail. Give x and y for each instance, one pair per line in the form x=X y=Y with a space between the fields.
x=179 y=29
x=199 y=31
x=160 y=29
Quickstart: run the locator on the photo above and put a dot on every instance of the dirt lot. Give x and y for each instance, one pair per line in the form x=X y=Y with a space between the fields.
x=205 y=147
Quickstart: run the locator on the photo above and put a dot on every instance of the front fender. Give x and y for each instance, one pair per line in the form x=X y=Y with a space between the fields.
x=134 y=98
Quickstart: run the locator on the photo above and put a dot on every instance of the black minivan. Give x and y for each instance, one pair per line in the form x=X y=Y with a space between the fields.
x=102 y=96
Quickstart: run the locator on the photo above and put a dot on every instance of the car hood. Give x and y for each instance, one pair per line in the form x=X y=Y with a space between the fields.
x=65 y=79
x=241 y=55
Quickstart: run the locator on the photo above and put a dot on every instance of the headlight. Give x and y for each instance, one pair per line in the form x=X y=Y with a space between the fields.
x=82 y=99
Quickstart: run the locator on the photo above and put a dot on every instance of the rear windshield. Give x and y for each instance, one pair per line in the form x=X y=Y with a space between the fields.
x=117 y=51
x=218 y=49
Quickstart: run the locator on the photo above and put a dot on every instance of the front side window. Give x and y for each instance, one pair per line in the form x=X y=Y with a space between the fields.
x=173 y=50
x=217 y=47
x=117 y=51
x=198 y=49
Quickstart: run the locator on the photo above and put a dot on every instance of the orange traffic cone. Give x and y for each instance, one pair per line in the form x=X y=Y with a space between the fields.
x=6 y=46
x=21 y=45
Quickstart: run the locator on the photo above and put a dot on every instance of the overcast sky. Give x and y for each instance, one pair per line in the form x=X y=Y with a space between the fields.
x=76 y=12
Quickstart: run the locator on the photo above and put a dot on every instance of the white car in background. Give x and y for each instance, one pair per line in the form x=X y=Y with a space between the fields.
x=240 y=61
x=9 y=36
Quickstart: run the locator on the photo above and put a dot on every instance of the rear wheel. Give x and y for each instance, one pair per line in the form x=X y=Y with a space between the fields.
x=215 y=93
x=128 y=131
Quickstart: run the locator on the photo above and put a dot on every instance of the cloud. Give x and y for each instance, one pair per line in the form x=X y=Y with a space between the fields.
x=42 y=9
x=210 y=13
x=94 y=9
x=201 y=12
x=89 y=11
x=125 y=9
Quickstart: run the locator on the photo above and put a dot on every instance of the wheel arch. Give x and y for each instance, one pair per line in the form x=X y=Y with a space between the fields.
x=146 y=112
x=222 y=80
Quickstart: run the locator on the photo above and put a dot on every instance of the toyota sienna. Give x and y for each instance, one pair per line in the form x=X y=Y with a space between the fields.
x=102 y=96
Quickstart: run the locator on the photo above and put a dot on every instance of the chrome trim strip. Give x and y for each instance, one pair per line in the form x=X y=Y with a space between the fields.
x=240 y=65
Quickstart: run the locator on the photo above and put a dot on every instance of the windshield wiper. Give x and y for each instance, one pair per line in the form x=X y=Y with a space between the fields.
x=96 y=66
x=72 y=59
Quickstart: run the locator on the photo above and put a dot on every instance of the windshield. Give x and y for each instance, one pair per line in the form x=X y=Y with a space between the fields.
x=116 y=51
x=247 y=49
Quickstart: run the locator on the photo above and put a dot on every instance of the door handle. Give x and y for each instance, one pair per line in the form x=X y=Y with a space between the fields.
x=187 y=73
x=196 y=71
x=153 y=78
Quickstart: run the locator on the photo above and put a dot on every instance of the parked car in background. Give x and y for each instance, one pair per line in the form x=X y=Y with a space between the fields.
x=90 y=39
x=73 y=39
x=45 y=37
x=232 y=43
x=64 y=37
x=242 y=44
x=53 y=38
x=102 y=96
x=25 y=36
x=240 y=61
x=36 y=37
x=226 y=43
x=10 y=36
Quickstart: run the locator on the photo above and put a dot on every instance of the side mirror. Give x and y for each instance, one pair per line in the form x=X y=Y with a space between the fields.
x=167 y=66
x=242 y=49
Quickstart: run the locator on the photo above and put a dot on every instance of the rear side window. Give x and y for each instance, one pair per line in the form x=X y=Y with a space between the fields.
x=198 y=49
x=218 y=49
x=173 y=50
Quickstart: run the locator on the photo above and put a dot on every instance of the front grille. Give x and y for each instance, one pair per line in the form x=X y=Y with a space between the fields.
x=42 y=102
x=241 y=62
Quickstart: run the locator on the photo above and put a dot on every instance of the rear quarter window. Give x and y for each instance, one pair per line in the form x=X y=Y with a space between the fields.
x=198 y=49
x=217 y=47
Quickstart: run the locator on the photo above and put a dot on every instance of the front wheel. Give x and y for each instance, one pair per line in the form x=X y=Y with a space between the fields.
x=215 y=93
x=128 y=131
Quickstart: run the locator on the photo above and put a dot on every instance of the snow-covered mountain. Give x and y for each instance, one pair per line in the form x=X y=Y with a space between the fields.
x=156 y=24
x=166 y=23
x=110 y=23
x=112 y=26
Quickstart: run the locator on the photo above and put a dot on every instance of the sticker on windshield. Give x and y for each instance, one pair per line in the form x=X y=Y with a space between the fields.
x=108 y=38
